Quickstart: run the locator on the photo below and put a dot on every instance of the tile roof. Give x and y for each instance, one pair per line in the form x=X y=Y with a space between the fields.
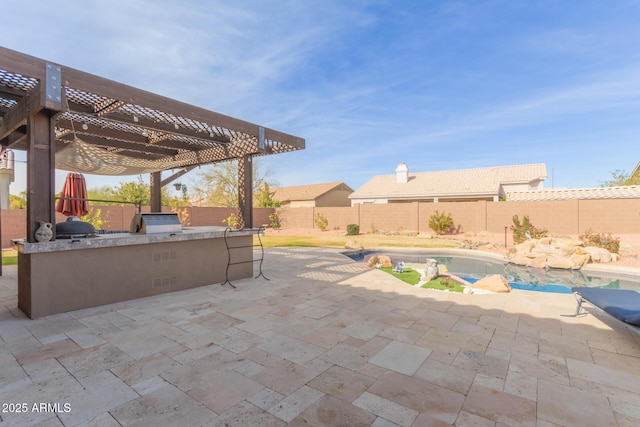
x=622 y=192
x=305 y=192
x=459 y=182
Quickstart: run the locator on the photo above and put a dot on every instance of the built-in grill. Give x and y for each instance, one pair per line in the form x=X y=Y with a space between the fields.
x=149 y=223
x=73 y=228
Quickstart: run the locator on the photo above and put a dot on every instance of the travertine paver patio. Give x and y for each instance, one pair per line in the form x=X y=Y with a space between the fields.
x=325 y=342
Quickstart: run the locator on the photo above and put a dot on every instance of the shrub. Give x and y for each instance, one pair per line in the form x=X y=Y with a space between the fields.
x=274 y=221
x=96 y=218
x=525 y=230
x=231 y=221
x=601 y=240
x=353 y=229
x=321 y=222
x=440 y=222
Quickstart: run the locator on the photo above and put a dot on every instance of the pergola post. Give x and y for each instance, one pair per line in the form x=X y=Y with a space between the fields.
x=245 y=192
x=155 y=183
x=40 y=171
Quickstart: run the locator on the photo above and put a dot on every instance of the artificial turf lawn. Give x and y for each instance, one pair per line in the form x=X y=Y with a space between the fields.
x=412 y=277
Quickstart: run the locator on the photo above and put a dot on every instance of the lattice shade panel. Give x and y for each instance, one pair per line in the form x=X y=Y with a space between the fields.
x=104 y=127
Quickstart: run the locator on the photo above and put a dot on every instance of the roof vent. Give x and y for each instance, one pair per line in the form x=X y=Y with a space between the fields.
x=402 y=173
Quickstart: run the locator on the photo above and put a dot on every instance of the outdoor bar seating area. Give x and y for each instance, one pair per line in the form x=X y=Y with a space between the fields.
x=71 y=120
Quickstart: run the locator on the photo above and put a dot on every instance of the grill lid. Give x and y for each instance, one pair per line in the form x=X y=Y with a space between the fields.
x=74 y=227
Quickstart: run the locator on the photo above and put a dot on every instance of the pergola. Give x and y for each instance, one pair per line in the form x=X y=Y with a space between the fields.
x=85 y=123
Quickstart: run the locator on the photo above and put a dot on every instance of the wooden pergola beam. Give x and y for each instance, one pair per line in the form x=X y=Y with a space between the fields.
x=177 y=175
x=14 y=118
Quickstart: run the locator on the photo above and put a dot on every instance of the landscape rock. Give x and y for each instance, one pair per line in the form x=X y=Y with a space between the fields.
x=627 y=247
x=485 y=246
x=598 y=254
x=558 y=262
x=538 y=262
x=560 y=253
x=579 y=260
x=353 y=244
x=382 y=260
x=494 y=283
x=484 y=234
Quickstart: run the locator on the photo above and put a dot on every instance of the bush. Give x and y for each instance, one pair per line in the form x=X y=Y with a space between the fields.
x=231 y=221
x=97 y=219
x=601 y=240
x=274 y=221
x=440 y=222
x=353 y=229
x=321 y=222
x=525 y=230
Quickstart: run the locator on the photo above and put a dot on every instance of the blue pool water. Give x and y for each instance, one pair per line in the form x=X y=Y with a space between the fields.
x=531 y=279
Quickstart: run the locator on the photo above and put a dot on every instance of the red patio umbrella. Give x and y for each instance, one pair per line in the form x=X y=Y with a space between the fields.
x=75 y=187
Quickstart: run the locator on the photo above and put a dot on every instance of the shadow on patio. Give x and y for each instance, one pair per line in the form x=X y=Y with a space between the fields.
x=326 y=341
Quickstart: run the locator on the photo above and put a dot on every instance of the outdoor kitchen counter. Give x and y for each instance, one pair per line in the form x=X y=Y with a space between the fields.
x=126 y=239
x=73 y=274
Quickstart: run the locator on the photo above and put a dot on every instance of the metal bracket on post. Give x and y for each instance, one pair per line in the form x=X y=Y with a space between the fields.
x=53 y=83
x=261 y=138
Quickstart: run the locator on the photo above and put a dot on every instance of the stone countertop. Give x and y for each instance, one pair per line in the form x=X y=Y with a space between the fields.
x=126 y=239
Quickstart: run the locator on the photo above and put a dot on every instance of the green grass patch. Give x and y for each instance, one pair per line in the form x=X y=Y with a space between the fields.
x=443 y=284
x=412 y=277
x=9 y=258
x=409 y=275
x=338 y=241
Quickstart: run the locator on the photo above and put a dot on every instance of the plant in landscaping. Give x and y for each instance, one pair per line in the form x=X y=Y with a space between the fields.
x=525 y=230
x=183 y=214
x=95 y=218
x=231 y=221
x=440 y=222
x=274 y=221
x=353 y=229
x=321 y=222
x=601 y=240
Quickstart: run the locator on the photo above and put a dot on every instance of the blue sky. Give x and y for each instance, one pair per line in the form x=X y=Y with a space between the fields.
x=368 y=84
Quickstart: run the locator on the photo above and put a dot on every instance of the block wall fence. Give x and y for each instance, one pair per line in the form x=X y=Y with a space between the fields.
x=559 y=217
x=14 y=221
x=621 y=216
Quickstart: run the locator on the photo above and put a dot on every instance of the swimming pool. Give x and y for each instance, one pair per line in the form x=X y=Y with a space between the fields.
x=473 y=268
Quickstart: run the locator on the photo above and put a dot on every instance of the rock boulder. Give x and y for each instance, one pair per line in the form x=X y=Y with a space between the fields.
x=495 y=283
x=353 y=244
x=551 y=252
x=598 y=254
x=382 y=260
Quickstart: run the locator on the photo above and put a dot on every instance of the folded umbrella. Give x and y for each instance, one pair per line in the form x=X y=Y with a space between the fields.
x=73 y=197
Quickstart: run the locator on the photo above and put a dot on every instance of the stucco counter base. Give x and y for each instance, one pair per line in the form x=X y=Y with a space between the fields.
x=66 y=275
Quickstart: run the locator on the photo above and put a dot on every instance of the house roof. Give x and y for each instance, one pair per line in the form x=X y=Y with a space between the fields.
x=457 y=183
x=621 y=192
x=306 y=192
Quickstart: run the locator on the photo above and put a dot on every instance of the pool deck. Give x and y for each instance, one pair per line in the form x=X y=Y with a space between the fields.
x=327 y=341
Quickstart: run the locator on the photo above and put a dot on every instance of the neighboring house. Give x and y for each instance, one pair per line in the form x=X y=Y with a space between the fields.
x=335 y=194
x=619 y=192
x=634 y=177
x=450 y=185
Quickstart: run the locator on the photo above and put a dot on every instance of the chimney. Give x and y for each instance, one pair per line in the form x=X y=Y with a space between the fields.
x=402 y=173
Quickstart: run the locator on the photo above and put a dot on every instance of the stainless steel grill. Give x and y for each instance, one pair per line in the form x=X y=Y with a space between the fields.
x=149 y=223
